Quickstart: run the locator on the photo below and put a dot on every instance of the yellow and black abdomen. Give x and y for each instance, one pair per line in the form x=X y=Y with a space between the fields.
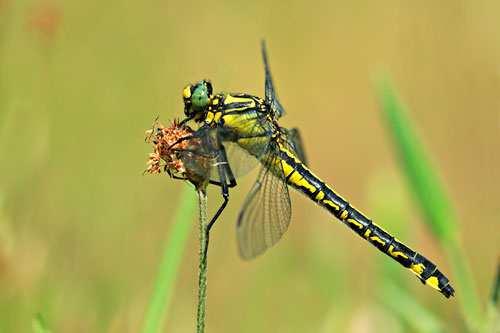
x=301 y=178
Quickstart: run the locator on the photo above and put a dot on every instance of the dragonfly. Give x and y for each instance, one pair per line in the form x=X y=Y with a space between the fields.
x=235 y=129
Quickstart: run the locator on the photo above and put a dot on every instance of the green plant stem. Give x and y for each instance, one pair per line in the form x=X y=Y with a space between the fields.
x=432 y=199
x=466 y=290
x=406 y=307
x=202 y=277
x=172 y=256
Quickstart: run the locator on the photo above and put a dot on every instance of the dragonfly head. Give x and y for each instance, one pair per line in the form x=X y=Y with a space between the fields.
x=196 y=98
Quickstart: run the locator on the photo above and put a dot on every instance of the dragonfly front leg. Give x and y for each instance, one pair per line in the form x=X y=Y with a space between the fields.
x=184 y=138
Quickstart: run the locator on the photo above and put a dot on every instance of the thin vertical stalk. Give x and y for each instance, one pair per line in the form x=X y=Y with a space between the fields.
x=172 y=255
x=202 y=276
x=430 y=195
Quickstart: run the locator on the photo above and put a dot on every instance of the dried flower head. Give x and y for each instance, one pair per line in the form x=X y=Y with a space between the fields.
x=175 y=152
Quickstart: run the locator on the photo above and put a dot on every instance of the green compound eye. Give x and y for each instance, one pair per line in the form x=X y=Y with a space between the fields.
x=200 y=98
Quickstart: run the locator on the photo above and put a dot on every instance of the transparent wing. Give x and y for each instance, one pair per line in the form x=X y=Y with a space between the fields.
x=271 y=98
x=239 y=159
x=266 y=213
x=241 y=149
x=294 y=141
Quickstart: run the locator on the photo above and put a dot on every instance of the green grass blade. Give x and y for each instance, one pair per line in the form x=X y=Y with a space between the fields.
x=493 y=308
x=495 y=290
x=424 y=181
x=39 y=325
x=389 y=200
x=410 y=311
x=431 y=197
x=169 y=265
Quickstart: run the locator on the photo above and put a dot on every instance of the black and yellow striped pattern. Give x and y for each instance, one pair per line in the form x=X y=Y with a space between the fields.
x=301 y=178
x=244 y=114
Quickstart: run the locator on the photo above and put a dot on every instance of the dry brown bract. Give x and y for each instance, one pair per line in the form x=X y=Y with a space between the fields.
x=164 y=156
x=180 y=160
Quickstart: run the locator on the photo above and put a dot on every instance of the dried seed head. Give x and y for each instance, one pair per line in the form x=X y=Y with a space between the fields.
x=175 y=156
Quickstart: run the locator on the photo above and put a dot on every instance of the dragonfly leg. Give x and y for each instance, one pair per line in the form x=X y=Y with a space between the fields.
x=185 y=120
x=177 y=177
x=184 y=138
x=230 y=185
x=194 y=151
x=213 y=182
x=225 y=196
x=227 y=180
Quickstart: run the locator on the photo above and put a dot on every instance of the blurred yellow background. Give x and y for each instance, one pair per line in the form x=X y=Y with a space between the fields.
x=82 y=231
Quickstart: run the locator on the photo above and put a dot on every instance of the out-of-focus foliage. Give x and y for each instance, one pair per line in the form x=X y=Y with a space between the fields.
x=424 y=182
x=39 y=325
x=82 y=232
x=434 y=203
x=172 y=256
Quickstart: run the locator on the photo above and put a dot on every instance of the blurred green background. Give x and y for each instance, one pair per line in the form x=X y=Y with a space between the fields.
x=82 y=231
